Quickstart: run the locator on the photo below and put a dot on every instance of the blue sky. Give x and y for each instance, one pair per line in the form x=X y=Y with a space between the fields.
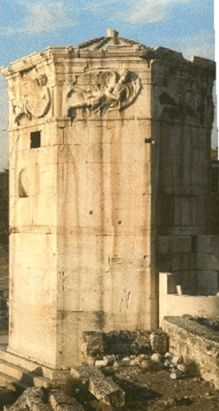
x=27 y=26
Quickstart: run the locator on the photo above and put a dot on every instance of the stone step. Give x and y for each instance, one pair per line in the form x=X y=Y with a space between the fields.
x=14 y=376
x=16 y=372
x=30 y=366
x=44 y=382
x=10 y=383
x=18 y=361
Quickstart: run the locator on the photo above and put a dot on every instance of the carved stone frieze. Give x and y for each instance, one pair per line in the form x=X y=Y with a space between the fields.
x=33 y=99
x=103 y=90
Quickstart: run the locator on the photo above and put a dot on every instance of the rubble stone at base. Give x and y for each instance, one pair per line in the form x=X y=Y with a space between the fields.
x=61 y=402
x=104 y=389
x=96 y=345
x=197 y=344
x=159 y=341
x=39 y=399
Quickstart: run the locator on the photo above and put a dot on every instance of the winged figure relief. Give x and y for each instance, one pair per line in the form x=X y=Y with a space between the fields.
x=104 y=90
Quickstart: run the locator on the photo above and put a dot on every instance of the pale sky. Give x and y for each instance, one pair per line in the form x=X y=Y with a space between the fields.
x=27 y=26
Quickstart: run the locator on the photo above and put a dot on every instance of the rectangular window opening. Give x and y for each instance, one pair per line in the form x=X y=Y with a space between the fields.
x=35 y=139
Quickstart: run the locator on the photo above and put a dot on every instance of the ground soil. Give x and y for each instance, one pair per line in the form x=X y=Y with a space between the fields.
x=155 y=390
x=167 y=394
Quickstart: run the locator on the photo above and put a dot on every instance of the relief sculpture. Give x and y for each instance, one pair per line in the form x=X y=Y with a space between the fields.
x=34 y=99
x=104 y=90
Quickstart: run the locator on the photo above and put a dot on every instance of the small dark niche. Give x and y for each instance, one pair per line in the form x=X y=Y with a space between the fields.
x=35 y=139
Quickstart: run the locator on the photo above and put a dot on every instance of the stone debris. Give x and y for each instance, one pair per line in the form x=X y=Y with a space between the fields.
x=110 y=359
x=127 y=342
x=96 y=345
x=157 y=358
x=171 y=360
x=143 y=361
x=31 y=399
x=116 y=365
x=182 y=368
x=92 y=346
x=159 y=341
x=177 y=401
x=125 y=362
x=100 y=363
x=107 y=360
x=202 y=346
x=147 y=364
x=39 y=399
x=61 y=402
x=176 y=366
x=105 y=349
x=175 y=375
x=101 y=387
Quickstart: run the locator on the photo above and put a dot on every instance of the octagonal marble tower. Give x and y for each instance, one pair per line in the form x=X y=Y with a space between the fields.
x=94 y=134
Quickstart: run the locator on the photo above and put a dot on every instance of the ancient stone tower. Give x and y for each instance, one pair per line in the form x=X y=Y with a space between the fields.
x=109 y=168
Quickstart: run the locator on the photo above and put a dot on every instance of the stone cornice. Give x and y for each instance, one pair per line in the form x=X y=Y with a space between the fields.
x=109 y=47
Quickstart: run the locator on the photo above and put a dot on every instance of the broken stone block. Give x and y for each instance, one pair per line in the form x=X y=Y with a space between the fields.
x=108 y=392
x=147 y=364
x=92 y=345
x=177 y=359
x=176 y=375
x=182 y=368
x=62 y=402
x=39 y=399
x=32 y=399
x=157 y=358
x=101 y=363
x=116 y=365
x=141 y=344
x=104 y=389
x=110 y=359
x=125 y=362
x=171 y=360
x=159 y=341
x=127 y=342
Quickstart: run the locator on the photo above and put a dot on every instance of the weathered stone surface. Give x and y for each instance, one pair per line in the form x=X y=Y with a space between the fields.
x=159 y=341
x=96 y=345
x=92 y=345
x=80 y=224
x=157 y=358
x=61 y=402
x=38 y=399
x=104 y=389
x=196 y=343
x=126 y=342
x=34 y=399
